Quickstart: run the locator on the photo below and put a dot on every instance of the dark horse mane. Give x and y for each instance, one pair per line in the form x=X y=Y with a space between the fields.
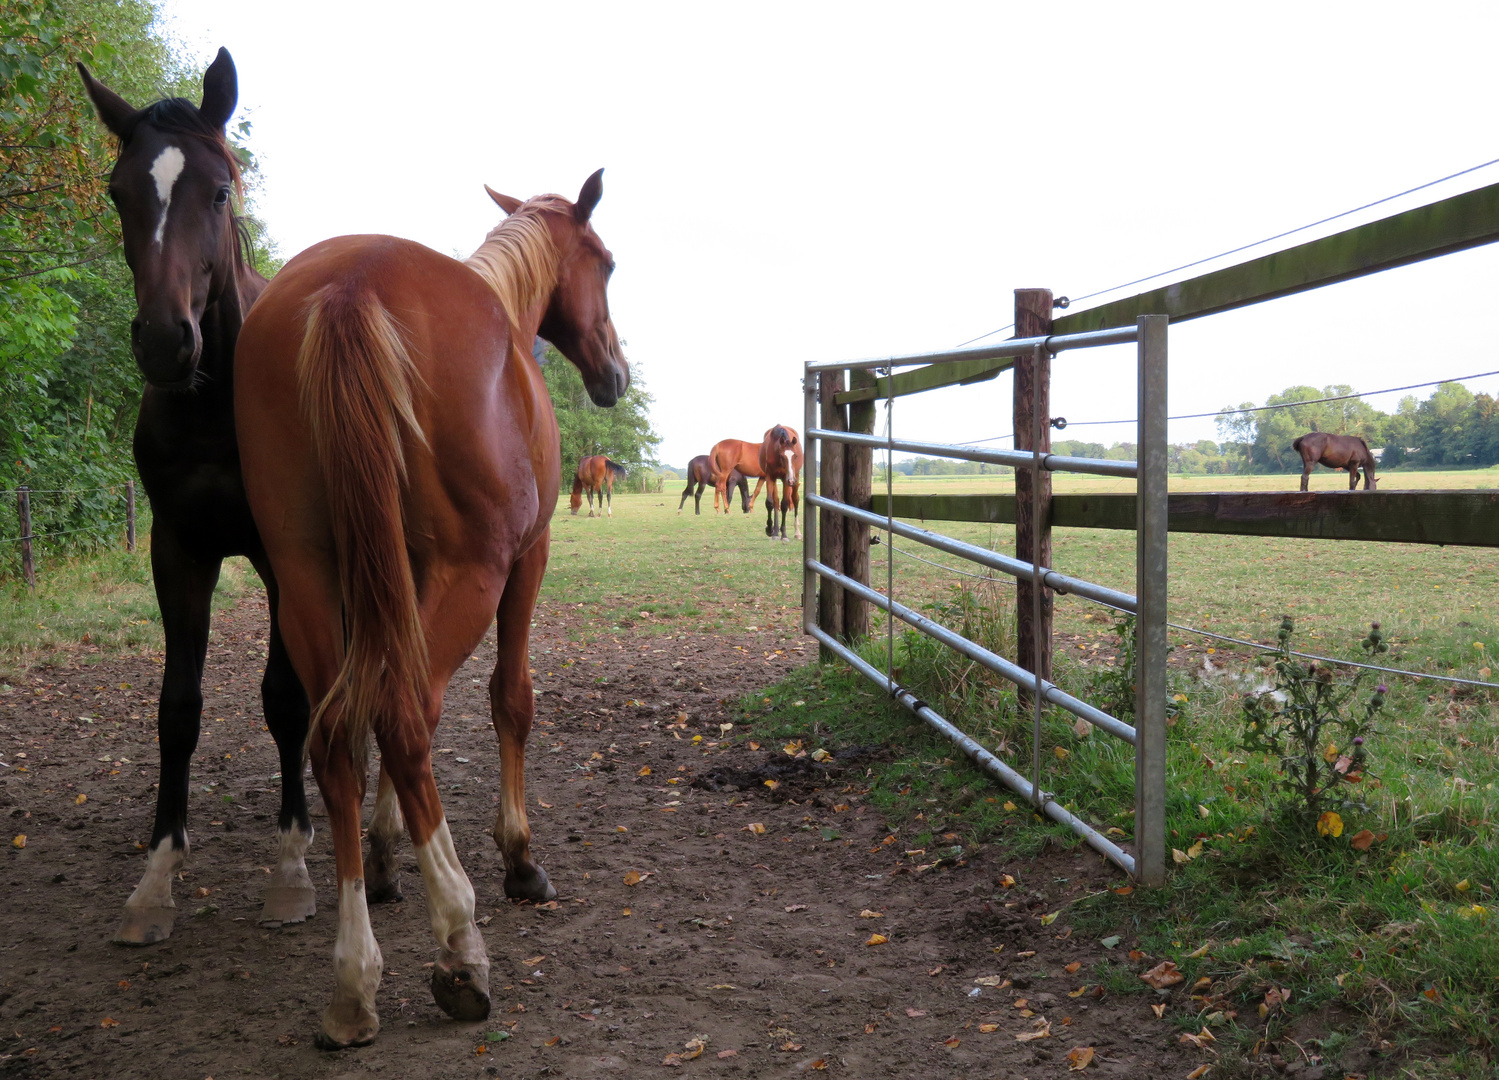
x=180 y=116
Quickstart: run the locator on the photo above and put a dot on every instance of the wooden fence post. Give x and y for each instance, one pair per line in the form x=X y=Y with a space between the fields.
x=130 y=516
x=1033 y=534
x=858 y=483
x=28 y=566
x=830 y=597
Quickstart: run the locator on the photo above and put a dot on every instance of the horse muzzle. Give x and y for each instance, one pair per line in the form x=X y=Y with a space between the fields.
x=608 y=389
x=166 y=350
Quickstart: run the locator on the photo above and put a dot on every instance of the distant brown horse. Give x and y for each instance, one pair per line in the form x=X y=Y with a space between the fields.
x=1336 y=452
x=401 y=458
x=700 y=475
x=596 y=475
x=781 y=462
x=727 y=456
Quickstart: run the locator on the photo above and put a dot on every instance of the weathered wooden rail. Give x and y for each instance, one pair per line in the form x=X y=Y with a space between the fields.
x=1467 y=518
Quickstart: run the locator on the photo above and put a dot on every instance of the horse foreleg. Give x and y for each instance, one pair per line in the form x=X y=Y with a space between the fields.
x=511 y=699
x=796 y=520
x=289 y=895
x=184 y=590
x=1353 y=478
x=382 y=874
x=770 y=507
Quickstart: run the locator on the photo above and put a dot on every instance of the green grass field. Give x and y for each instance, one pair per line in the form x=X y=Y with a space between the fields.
x=1394 y=943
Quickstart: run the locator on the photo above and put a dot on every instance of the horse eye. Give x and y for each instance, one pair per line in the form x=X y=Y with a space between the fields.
x=221 y=198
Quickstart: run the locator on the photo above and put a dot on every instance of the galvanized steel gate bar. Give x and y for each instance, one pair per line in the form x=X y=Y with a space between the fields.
x=1147 y=864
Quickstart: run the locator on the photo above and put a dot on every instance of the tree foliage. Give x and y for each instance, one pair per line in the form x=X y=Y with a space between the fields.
x=623 y=431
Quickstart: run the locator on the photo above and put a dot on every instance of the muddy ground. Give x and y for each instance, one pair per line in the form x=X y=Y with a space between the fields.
x=753 y=941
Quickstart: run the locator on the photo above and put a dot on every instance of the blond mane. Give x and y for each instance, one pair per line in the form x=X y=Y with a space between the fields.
x=518 y=258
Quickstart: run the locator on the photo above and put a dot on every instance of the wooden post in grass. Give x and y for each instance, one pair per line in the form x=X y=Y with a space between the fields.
x=858 y=483
x=1032 y=404
x=130 y=516
x=28 y=565
x=830 y=479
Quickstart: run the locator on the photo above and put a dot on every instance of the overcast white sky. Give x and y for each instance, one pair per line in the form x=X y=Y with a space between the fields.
x=815 y=181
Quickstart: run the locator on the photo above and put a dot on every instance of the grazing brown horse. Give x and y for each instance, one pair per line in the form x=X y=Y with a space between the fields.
x=401 y=456
x=728 y=456
x=596 y=475
x=700 y=475
x=173 y=184
x=1336 y=452
x=781 y=462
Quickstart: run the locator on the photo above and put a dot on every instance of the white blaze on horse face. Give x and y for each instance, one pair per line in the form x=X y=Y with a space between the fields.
x=450 y=895
x=165 y=170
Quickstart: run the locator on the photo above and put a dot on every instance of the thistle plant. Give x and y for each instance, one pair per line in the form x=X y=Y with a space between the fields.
x=1311 y=721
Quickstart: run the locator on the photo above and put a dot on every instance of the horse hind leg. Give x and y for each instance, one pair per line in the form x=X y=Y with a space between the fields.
x=382 y=874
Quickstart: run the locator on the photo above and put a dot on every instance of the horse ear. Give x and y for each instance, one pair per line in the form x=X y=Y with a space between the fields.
x=588 y=198
x=220 y=90
x=117 y=114
x=504 y=202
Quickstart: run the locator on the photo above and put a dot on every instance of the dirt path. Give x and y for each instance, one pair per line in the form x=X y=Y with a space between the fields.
x=752 y=940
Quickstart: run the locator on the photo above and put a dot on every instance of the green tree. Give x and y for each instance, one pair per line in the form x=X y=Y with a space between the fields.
x=623 y=432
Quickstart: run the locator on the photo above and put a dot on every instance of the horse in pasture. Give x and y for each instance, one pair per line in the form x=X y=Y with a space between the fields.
x=173 y=185
x=1336 y=452
x=781 y=462
x=400 y=453
x=729 y=456
x=700 y=475
x=596 y=475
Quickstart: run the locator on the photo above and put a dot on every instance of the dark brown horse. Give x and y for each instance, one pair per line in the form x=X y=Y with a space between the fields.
x=1336 y=452
x=174 y=184
x=730 y=456
x=596 y=475
x=700 y=475
x=781 y=463
x=401 y=455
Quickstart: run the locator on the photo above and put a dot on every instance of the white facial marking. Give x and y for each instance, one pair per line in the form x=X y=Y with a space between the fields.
x=357 y=962
x=155 y=888
x=450 y=896
x=165 y=170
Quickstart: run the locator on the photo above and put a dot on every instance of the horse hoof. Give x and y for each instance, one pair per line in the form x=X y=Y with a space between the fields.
x=462 y=992
x=529 y=885
x=285 y=904
x=346 y=1037
x=387 y=891
x=145 y=925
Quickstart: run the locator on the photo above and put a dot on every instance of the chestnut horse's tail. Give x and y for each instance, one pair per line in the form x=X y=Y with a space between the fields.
x=356 y=381
x=577 y=499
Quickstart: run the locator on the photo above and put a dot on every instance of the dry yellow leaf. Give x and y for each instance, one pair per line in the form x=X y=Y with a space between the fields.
x=645 y=770
x=1074 y=967
x=1047 y=920
x=1009 y=805
x=1200 y=951
x=755 y=827
x=80 y=800
x=952 y=1043
x=987 y=1028
x=553 y=1041
x=1462 y=886
x=109 y=1022
x=877 y=939
x=1159 y=1010
x=1163 y=975
x=1061 y=752
x=1079 y=1058
x=1330 y=754
x=1329 y=824
x=992 y=980
x=867 y=914
x=1006 y=881
x=19 y=841
x=694 y=1047
x=632 y=877
x=1043 y=1031
x=1179 y=856
x=1199 y=1072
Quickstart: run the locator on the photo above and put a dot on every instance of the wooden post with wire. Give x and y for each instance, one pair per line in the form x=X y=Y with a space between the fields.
x=28 y=564
x=1032 y=408
x=830 y=525
x=858 y=484
x=130 y=516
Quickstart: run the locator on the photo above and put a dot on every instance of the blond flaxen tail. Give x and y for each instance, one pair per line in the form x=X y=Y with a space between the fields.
x=356 y=382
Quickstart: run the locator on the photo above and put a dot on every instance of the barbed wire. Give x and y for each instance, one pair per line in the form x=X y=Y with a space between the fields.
x=62 y=491
x=58 y=532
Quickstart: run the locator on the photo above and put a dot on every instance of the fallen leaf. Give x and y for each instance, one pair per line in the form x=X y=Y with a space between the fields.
x=1163 y=975
x=533 y=961
x=1079 y=1058
x=109 y=1022
x=952 y=1043
x=671 y=1061
x=992 y=980
x=1200 y=951
x=820 y=1064
x=553 y=1041
x=1199 y=1040
x=1361 y=840
x=755 y=827
x=621 y=828
x=1202 y=983
x=1043 y=1031
x=791 y=1046
x=988 y=1028
x=867 y=914
x=1074 y=967
x=1179 y=856
x=632 y=878
x=1021 y=1003
x=1199 y=1072
x=877 y=939
x=80 y=800
x=645 y=770
x=1159 y=1010
x=1329 y=824
x=1123 y=890
x=821 y=755
x=19 y=841
x=869 y=1028
x=1431 y=993
x=915 y=1013
x=1079 y=992
x=727 y=1053
x=1061 y=752
x=694 y=1047
x=795 y=907
x=936 y=970
x=1009 y=806
x=1047 y=920
x=1136 y=954
x=1110 y=941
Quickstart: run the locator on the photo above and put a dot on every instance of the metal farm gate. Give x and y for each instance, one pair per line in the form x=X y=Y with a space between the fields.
x=1147 y=864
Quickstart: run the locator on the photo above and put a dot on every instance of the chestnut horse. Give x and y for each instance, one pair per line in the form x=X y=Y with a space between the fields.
x=401 y=456
x=781 y=462
x=173 y=185
x=1336 y=452
x=596 y=475
x=700 y=475
x=729 y=456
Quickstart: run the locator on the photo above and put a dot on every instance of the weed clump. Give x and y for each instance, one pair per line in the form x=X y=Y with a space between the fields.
x=1303 y=718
